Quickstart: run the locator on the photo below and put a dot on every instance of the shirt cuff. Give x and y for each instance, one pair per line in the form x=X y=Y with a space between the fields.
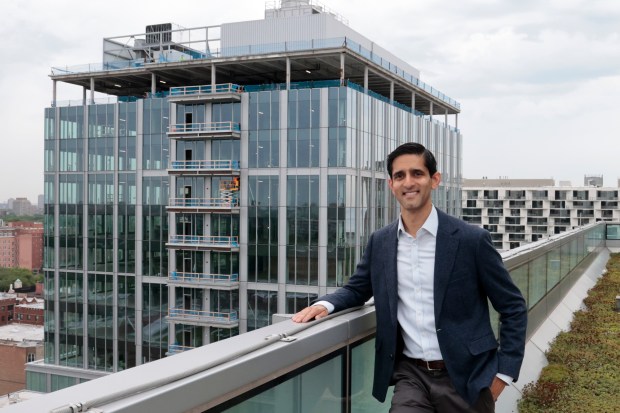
x=326 y=304
x=505 y=378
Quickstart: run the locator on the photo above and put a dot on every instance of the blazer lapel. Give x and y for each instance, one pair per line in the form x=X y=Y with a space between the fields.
x=445 y=255
x=390 y=251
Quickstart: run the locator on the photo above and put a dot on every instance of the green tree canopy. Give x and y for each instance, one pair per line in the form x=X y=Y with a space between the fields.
x=28 y=218
x=9 y=275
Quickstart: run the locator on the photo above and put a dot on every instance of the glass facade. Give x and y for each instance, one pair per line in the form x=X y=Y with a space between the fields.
x=101 y=236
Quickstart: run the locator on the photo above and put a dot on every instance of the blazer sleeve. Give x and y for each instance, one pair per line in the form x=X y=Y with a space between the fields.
x=507 y=300
x=359 y=288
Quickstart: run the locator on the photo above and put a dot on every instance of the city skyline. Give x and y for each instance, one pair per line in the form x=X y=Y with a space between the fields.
x=526 y=74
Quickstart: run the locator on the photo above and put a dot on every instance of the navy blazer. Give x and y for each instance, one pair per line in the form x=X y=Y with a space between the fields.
x=469 y=273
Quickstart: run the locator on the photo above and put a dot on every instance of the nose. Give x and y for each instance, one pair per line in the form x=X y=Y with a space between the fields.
x=409 y=180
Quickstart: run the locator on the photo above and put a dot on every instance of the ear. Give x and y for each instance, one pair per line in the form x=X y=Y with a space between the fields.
x=436 y=180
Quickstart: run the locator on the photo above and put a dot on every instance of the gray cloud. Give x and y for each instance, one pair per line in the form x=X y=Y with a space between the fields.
x=538 y=79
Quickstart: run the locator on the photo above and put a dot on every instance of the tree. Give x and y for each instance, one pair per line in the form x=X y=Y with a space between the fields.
x=9 y=275
x=28 y=218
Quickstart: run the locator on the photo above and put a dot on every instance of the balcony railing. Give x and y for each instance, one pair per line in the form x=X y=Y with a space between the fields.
x=205 y=89
x=193 y=278
x=215 y=130
x=203 y=316
x=204 y=204
x=176 y=349
x=204 y=241
x=207 y=166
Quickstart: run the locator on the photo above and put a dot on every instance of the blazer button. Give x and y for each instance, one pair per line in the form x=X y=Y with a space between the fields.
x=391 y=356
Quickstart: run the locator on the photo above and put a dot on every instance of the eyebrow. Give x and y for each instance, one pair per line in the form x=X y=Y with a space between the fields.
x=411 y=170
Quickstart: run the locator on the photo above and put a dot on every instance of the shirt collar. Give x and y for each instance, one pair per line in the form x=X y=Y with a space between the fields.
x=430 y=225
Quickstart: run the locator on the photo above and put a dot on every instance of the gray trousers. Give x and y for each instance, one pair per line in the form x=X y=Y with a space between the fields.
x=421 y=390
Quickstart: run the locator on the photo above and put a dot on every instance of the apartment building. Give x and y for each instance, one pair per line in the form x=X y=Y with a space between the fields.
x=223 y=179
x=21 y=245
x=519 y=211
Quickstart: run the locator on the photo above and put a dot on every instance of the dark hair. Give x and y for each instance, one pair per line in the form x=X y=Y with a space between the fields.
x=412 y=148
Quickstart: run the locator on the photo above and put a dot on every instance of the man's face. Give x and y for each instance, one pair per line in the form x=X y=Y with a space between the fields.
x=411 y=183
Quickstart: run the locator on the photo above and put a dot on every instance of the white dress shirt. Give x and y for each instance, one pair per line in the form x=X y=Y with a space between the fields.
x=416 y=308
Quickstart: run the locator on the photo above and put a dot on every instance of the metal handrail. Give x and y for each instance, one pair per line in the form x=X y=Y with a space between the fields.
x=203 y=315
x=206 y=89
x=205 y=127
x=220 y=241
x=202 y=277
x=215 y=165
x=204 y=202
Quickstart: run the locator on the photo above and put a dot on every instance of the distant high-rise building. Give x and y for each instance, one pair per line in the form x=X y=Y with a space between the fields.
x=237 y=175
x=22 y=206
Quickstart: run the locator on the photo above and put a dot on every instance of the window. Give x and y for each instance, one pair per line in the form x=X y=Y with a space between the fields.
x=31 y=358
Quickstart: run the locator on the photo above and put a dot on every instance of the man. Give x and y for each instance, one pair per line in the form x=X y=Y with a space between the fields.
x=432 y=277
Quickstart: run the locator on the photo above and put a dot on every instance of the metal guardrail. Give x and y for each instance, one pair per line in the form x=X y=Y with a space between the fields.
x=204 y=127
x=205 y=89
x=207 y=165
x=176 y=349
x=220 y=203
x=194 y=277
x=204 y=240
x=204 y=316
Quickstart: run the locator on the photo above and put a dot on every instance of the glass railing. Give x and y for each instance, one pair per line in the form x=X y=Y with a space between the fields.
x=207 y=203
x=216 y=127
x=205 y=240
x=205 y=89
x=201 y=278
x=206 y=165
x=204 y=316
x=540 y=267
x=176 y=349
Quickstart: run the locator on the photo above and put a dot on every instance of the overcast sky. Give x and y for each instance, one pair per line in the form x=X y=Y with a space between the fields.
x=538 y=80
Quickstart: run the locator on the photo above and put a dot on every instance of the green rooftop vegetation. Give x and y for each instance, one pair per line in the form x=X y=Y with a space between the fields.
x=583 y=374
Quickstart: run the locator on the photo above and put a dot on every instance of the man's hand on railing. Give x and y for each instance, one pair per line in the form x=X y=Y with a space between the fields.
x=313 y=312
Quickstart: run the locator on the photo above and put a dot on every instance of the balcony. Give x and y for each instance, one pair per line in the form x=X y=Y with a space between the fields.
x=204 y=205
x=226 y=92
x=203 y=318
x=205 y=167
x=192 y=279
x=176 y=349
x=203 y=243
x=211 y=130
